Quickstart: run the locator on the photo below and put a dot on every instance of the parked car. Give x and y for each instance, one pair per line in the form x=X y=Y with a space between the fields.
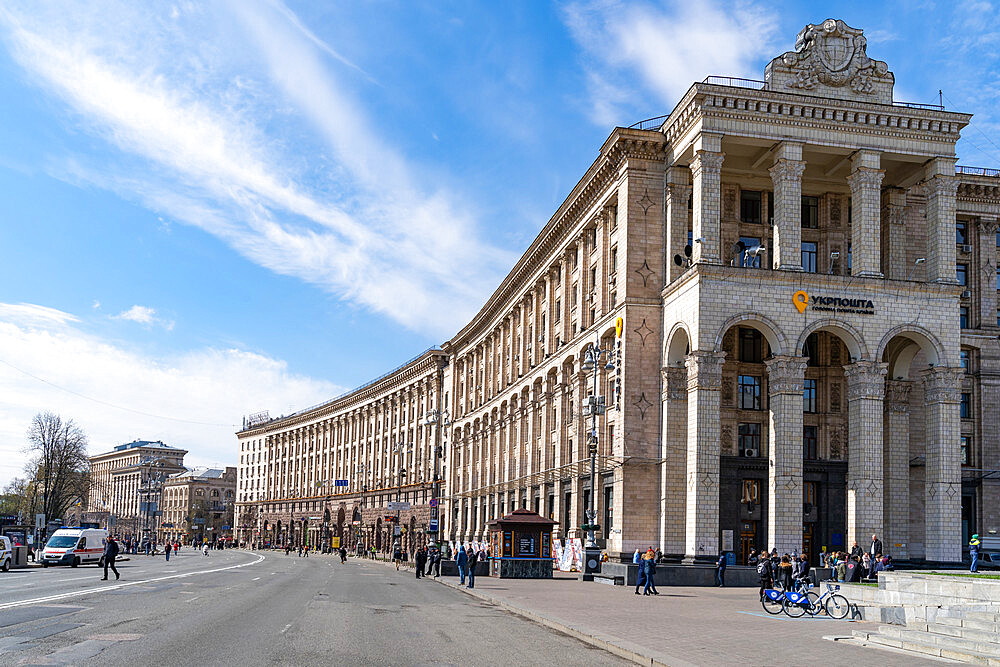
x=74 y=546
x=988 y=560
x=6 y=553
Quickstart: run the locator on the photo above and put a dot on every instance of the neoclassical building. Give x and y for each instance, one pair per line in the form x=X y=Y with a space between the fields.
x=807 y=285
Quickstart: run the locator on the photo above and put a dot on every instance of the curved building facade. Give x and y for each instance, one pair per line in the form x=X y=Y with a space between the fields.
x=807 y=290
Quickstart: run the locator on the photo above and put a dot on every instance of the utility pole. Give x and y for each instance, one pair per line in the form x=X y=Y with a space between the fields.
x=594 y=405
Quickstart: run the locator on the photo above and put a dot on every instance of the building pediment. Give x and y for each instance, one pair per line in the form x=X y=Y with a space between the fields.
x=831 y=60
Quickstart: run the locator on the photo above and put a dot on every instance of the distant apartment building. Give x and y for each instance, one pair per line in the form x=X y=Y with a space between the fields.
x=197 y=506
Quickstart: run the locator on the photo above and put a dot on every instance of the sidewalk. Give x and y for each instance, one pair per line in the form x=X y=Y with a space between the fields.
x=682 y=626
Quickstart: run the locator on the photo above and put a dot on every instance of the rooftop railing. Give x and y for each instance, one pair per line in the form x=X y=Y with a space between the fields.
x=977 y=171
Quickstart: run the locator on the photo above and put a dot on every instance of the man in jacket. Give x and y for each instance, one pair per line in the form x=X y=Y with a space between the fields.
x=473 y=559
x=720 y=570
x=765 y=572
x=420 y=562
x=974 y=553
x=876 y=548
x=463 y=564
x=856 y=550
x=110 y=553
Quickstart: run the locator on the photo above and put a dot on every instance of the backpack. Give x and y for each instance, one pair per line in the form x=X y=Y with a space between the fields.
x=762 y=568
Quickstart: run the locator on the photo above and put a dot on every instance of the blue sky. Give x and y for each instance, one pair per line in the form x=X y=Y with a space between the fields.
x=211 y=209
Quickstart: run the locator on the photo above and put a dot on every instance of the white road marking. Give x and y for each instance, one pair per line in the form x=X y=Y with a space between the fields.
x=286 y=628
x=113 y=587
x=255 y=579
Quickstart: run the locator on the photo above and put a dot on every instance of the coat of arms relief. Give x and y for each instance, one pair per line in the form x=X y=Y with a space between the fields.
x=831 y=58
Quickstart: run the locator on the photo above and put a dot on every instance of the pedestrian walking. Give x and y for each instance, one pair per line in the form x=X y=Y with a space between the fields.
x=421 y=561
x=110 y=553
x=473 y=559
x=640 y=577
x=720 y=570
x=435 y=557
x=649 y=564
x=204 y=548
x=463 y=564
x=167 y=549
x=974 y=553
x=397 y=555
x=343 y=554
x=305 y=551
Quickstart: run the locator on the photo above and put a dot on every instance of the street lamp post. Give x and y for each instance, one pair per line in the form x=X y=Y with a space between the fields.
x=400 y=448
x=441 y=420
x=594 y=405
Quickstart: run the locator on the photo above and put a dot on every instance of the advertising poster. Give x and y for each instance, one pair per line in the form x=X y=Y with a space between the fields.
x=576 y=554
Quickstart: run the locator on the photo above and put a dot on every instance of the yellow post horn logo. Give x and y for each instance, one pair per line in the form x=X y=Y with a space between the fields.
x=801 y=300
x=619 y=325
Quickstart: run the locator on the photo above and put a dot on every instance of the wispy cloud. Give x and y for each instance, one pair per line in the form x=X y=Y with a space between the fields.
x=193 y=399
x=669 y=45
x=231 y=119
x=144 y=315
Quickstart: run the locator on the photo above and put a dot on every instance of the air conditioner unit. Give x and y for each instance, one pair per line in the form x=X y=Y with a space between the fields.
x=751 y=453
x=965 y=247
x=966 y=294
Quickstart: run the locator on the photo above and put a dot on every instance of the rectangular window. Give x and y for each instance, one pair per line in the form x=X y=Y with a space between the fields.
x=593 y=278
x=751 y=345
x=746 y=259
x=614 y=218
x=749 y=440
x=961 y=233
x=965 y=407
x=557 y=316
x=770 y=208
x=576 y=294
x=810 y=212
x=750 y=207
x=809 y=443
x=964 y=360
x=749 y=392
x=614 y=299
x=963 y=317
x=961 y=272
x=750 y=492
x=609 y=504
x=848 y=258
x=809 y=256
x=809 y=396
x=998 y=279
x=966 y=448
x=613 y=260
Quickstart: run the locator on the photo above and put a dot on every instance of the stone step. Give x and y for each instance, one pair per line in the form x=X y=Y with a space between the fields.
x=958 y=631
x=927 y=648
x=989 y=616
x=990 y=647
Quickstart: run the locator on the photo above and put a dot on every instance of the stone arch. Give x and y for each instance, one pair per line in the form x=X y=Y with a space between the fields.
x=678 y=345
x=845 y=331
x=901 y=344
x=775 y=337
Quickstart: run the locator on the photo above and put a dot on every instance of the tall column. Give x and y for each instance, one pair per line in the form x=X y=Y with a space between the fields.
x=941 y=186
x=987 y=229
x=704 y=387
x=706 y=177
x=673 y=466
x=896 y=468
x=865 y=395
x=678 y=219
x=894 y=242
x=786 y=175
x=785 y=377
x=866 y=210
x=942 y=473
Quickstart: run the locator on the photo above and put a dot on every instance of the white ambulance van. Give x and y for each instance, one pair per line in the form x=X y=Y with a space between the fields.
x=74 y=546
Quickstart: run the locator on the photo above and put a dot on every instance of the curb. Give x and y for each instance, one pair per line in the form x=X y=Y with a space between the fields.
x=611 y=645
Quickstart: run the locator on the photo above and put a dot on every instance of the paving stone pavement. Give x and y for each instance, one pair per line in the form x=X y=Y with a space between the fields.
x=683 y=625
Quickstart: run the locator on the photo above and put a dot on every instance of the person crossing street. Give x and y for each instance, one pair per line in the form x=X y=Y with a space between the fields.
x=110 y=553
x=167 y=549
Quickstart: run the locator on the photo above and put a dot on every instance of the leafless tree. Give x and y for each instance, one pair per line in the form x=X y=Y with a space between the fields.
x=58 y=471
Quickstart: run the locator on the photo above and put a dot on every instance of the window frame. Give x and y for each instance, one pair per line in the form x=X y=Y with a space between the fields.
x=747 y=201
x=748 y=433
x=749 y=392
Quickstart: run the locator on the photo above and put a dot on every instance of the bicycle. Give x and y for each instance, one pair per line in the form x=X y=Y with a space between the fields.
x=835 y=605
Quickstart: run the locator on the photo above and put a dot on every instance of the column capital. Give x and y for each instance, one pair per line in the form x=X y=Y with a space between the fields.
x=785 y=374
x=679 y=192
x=785 y=170
x=988 y=224
x=942 y=384
x=674 y=382
x=941 y=185
x=705 y=370
x=707 y=161
x=897 y=395
x=865 y=379
x=865 y=178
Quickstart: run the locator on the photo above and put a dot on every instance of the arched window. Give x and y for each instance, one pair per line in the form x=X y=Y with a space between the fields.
x=215 y=493
x=199 y=492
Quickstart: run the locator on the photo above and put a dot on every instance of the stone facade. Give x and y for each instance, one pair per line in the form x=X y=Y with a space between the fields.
x=198 y=506
x=805 y=282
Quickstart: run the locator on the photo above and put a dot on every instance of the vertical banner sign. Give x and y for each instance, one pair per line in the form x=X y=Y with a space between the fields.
x=619 y=327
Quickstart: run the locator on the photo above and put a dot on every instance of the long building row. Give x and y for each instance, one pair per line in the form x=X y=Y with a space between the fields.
x=807 y=289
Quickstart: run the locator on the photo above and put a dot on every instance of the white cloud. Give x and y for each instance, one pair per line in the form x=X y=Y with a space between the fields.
x=669 y=45
x=197 y=104
x=144 y=315
x=206 y=391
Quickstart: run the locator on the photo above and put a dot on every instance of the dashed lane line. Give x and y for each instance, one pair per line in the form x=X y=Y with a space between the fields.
x=114 y=587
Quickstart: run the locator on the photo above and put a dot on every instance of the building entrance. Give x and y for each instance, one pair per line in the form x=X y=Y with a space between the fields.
x=748 y=541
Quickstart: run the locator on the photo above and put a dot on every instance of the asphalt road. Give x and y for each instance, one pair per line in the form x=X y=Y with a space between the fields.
x=245 y=608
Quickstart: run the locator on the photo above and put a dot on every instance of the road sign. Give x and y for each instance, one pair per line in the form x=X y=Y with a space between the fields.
x=335 y=542
x=396 y=531
x=434 y=502
x=433 y=526
x=341 y=482
x=225 y=528
x=394 y=506
x=166 y=524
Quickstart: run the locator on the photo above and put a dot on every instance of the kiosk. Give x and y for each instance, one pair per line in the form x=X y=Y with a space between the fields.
x=523 y=542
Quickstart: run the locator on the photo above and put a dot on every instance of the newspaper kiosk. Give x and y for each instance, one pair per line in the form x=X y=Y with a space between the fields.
x=523 y=546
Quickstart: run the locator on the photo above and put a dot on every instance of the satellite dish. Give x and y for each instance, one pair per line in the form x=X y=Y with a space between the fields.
x=678 y=260
x=687 y=250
